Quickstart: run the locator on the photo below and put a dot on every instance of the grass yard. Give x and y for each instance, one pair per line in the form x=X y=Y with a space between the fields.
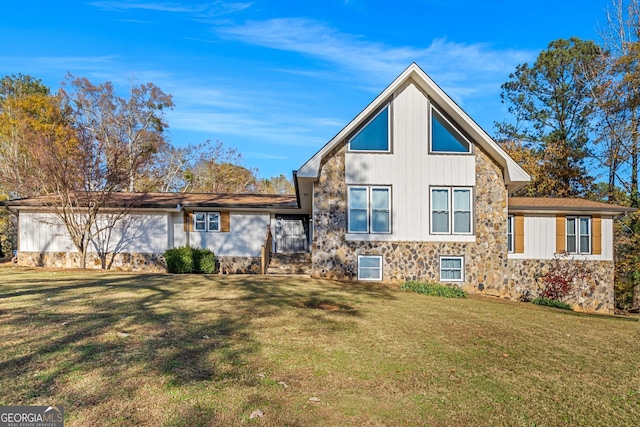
x=162 y=350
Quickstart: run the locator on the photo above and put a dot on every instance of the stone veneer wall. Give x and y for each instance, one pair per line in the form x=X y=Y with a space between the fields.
x=485 y=260
x=597 y=295
x=152 y=263
x=239 y=265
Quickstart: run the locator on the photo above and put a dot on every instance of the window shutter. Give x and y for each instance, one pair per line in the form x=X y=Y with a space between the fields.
x=596 y=245
x=188 y=221
x=519 y=234
x=225 y=222
x=561 y=226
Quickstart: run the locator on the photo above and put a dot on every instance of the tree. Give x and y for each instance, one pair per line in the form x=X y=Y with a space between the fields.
x=23 y=106
x=114 y=142
x=617 y=94
x=551 y=103
x=219 y=170
x=133 y=127
x=276 y=185
x=20 y=98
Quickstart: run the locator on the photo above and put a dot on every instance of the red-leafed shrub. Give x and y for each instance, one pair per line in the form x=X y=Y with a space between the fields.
x=565 y=275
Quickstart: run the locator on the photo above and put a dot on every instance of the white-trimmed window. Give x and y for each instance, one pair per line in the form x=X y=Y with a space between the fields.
x=579 y=234
x=452 y=269
x=206 y=221
x=370 y=267
x=451 y=210
x=445 y=138
x=375 y=135
x=369 y=209
x=511 y=233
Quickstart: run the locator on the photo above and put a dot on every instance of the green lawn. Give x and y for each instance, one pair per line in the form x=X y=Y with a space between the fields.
x=165 y=350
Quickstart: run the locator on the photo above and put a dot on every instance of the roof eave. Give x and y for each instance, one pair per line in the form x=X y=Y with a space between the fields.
x=613 y=211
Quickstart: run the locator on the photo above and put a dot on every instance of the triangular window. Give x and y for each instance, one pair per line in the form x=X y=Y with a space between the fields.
x=374 y=136
x=444 y=137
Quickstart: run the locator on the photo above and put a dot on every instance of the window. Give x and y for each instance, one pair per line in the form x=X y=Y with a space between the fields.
x=369 y=209
x=452 y=269
x=369 y=267
x=510 y=233
x=206 y=221
x=200 y=221
x=374 y=136
x=444 y=201
x=579 y=235
x=445 y=138
x=214 y=221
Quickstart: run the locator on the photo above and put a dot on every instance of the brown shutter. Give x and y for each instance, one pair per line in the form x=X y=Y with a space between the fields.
x=225 y=222
x=519 y=234
x=561 y=240
x=188 y=221
x=596 y=236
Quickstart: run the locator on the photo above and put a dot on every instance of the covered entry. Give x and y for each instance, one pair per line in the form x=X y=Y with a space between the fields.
x=291 y=234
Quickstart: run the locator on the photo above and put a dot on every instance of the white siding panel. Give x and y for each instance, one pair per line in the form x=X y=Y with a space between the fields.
x=540 y=239
x=410 y=170
x=42 y=232
x=176 y=221
x=245 y=239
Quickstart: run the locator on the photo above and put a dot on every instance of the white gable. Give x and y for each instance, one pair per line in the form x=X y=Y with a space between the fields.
x=515 y=176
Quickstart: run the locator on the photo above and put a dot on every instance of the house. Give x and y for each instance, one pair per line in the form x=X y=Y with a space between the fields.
x=411 y=189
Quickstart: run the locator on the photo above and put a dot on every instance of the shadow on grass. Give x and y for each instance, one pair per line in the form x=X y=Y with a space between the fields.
x=184 y=329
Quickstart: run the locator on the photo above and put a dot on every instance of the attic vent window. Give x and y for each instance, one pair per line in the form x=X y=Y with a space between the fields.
x=445 y=138
x=374 y=136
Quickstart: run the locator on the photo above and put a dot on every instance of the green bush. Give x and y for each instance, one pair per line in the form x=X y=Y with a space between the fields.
x=434 y=289
x=551 y=303
x=185 y=260
x=204 y=261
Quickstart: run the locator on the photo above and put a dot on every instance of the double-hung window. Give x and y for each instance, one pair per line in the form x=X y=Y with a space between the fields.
x=579 y=234
x=369 y=209
x=451 y=211
x=206 y=221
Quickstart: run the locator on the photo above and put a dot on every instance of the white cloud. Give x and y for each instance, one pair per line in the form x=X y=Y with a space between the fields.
x=457 y=67
x=198 y=10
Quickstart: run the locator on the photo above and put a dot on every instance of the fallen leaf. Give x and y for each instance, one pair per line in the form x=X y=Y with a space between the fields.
x=256 y=414
x=283 y=384
x=262 y=375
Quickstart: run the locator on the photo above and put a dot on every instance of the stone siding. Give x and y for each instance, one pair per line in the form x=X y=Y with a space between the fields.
x=485 y=259
x=153 y=263
x=239 y=265
x=139 y=262
x=596 y=295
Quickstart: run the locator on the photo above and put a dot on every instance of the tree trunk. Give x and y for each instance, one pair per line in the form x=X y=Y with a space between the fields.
x=83 y=257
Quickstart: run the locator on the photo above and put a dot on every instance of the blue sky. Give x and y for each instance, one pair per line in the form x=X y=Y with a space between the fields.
x=278 y=79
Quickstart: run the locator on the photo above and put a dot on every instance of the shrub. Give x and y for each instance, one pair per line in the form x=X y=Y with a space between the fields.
x=179 y=260
x=564 y=276
x=551 y=303
x=185 y=259
x=434 y=289
x=204 y=261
